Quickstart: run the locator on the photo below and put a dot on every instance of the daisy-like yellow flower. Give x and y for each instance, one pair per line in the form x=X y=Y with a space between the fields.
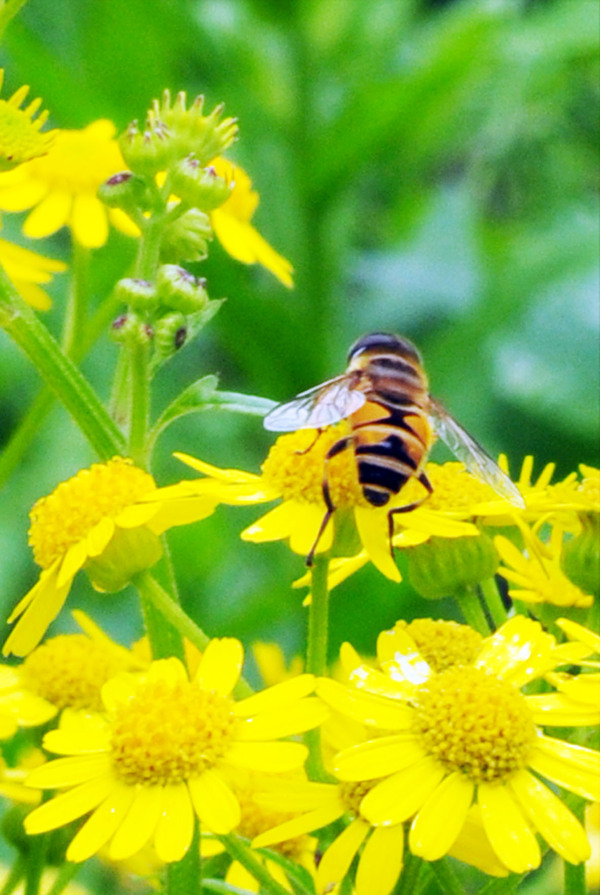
x=381 y=848
x=293 y=472
x=535 y=575
x=159 y=754
x=20 y=131
x=61 y=187
x=27 y=270
x=67 y=671
x=468 y=735
x=106 y=519
x=232 y=227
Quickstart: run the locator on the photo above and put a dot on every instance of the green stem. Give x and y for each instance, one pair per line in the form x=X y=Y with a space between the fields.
x=72 y=389
x=139 y=399
x=316 y=653
x=159 y=608
x=574 y=874
x=472 y=610
x=240 y=851
x=35 y=863
x=78 y=300
x=493 y=601
x=185 y=877
x=148 y=251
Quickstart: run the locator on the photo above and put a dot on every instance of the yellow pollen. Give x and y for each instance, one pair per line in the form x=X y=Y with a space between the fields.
x=296 y=466
x=352 y=795
x=443 y=644
x=453 y=488
x=66 y=516
x=70 y=669
x=474 y=723
x=168 y=733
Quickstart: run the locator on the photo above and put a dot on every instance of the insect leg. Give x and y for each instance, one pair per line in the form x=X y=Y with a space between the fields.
x=337 y=448
x=408 y=507
x=312 y=444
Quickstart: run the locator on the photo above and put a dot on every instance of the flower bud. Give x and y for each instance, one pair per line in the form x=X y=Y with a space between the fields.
x=128 y=329
x=140 y=295
x=126 y=191
x=580 y=557
x=191 y=131
x=170 y=333
x=130 y=551
x=149 y=151
x=197 y=186
x=442 y=566
x=186 y=238
x=180 y=290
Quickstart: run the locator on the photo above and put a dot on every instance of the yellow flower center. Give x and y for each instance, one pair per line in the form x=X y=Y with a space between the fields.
x=296 y=466
x=20 y=136
x=474 y=723
x=170 y=732
x=69 y=670
x=68 y=514
x=352 y=795
x=453 y=488
x=444 y=644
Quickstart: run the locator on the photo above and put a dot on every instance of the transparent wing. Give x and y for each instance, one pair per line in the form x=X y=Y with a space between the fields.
x=477 y=461
x=321 y=406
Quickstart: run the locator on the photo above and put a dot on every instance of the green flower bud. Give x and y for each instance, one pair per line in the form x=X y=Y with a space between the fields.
x=197 y=186
x=126 y=191
x=149 y=151
x=140 y=295
x=580 y=558
x=186 y=238
x=191 y=131
x=130 y=551
x=128 y=328
x=442 y=566
x=170 y=334
x=180 y=290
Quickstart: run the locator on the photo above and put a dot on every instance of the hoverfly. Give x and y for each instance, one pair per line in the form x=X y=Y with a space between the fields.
x=384 y=393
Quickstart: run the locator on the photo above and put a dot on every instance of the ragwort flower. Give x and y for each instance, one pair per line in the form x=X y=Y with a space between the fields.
x=61 y=187
x=161 y=753
x=20 y=132
x=293 y=472
x=106 y=519
x=468 y=734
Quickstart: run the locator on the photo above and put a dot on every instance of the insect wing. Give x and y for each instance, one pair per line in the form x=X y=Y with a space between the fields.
x=318 y=407
x=469 y=452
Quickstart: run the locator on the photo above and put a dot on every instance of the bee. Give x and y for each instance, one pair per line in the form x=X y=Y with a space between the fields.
x=384 y=393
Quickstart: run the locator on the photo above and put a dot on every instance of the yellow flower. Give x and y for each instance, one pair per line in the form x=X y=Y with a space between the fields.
x=61 y=187
x=381 y=848
x=27 y=270
x=536 y=572
x=105 y=519
x=67 y=671
x=20 y=137
x=161 y=752
x=232 y=227
x=468 y=733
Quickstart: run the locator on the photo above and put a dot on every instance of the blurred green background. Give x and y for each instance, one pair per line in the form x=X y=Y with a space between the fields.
x=429 y=168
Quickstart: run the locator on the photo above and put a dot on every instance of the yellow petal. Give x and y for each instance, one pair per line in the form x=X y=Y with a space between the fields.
x=364 y=707
x=228 y=475
x=98 y=538
x=298 y=826
x=574 y=767
x=301 y=715
x=507 y=829
x=378 y=758
x=373 y=530
x=557 y=710
x=214 y=803
x=381 y=861
x=336 y=861
x=551 y=817
x=69 y=771
x=441 y=818
x=400 y=796
x=175 y=828
x=277 y=696
x=98 y=829
x=78 y=732
x=73 y=560
x=49 y=215
x=47 y=601
x=220 y=665
x=139 y=824
x=275 y=757
x=69 y=806
x=89 y=222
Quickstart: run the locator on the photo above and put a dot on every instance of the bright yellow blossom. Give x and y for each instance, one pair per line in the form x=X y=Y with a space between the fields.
x=469 y=734
x=61 y=187
x=106 y=519
x=161 y=752
x=20 y=132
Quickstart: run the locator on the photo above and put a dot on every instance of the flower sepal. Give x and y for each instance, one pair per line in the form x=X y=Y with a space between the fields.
x=197 y=186
x=186 y=237
x=130 y=551
x=444 y=566
x=580 y=559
